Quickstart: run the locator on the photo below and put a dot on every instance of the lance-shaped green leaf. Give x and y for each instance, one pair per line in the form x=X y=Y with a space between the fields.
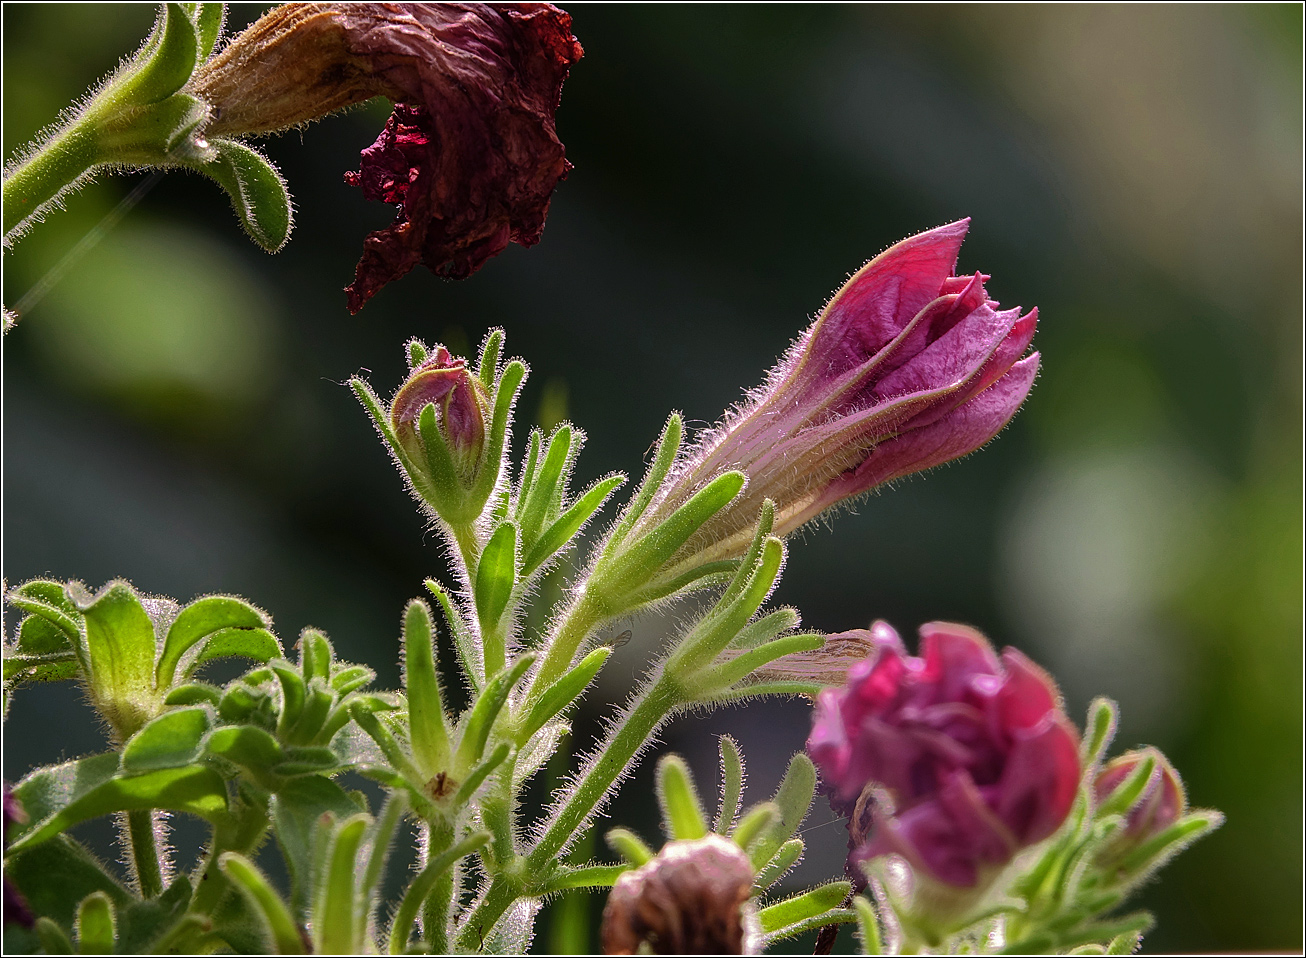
x=53 y=939
x=538 y=499
x=563 y=692
x=462 y=638
x=629 y=846
x=476 y=730
x=667 y=449
x=1102 y=721
x=315 y=656
x=274 y=915
x=312 y=717
x=682 y=812
x=382 y=835
x=169 y=741
x=775 y=869
x=868 y=927
x=402 y=926
x=478 y=775
x=794 y=798
x=487 y=366
x=496 y=574
x=531 y=466
x=639 y=563
x=37 y=635
x=197 y=621
x=753 y=823
x=296 y=810
x=799 y=908
x=722 y=677
x=208 y=19
x=565 y=528
x=336 y=928
x=293 y=694
x=732 y=784
x=587 y=876
x=164 y=64
x=95 y=925
x=351 y=678
x=389 y=745
x=120 y=644
x=428 y=726
x=78 y=791
x=257 y=191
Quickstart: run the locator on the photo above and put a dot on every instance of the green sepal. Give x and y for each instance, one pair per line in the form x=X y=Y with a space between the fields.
x=724 y=676
x=505 y=395
x=208 y=19
x=257 y=191
x=351 y=678
x=682 y=812
x=799 y=908
x=169 y=741
x=1103 y=718
x=563 y=693
x=794 y=798
x=496 y=574
x=732 y=784
x=313 y=716
x=59 y=797
x=389 y=745
x=483 y=714
x=278 y=924
x=164 y=64
x=487 y=367
x=566 y=526
x=667 y=449
x=629 y=846
x=775 y=869
x=201 y=619
x=95 y=925
x=752 y=824
x=478 y=775
x=1127 y=792
x=315 y=656
x=402 y=926
x=427 y=723
x=533 y=511
x=868 y=926
x=441 y=472
x=768 y=627
x=293 y=695
x=587 y=876
x=242 y=703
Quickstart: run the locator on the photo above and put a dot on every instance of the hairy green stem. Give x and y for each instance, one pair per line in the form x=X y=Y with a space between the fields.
x=580 y=621
x=145 y=859
x=242 y=832
x=48 y=172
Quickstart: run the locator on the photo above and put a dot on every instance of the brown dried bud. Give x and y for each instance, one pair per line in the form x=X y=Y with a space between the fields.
x=688 y=900
x=829 y=664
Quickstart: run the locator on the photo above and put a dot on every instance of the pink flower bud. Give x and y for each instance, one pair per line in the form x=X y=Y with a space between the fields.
x=1157 y=807
x=461 y=410
x=955 y=760
x=908 y=367
x=686 y=901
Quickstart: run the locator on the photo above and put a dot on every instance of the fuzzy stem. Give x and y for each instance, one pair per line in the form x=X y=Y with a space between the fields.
x=436 y=892
x=48 y=172
x=618 y=754
x=580 y=621
x=145 y=855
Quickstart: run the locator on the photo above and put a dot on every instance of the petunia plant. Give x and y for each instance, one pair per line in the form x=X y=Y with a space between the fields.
x=980 y=817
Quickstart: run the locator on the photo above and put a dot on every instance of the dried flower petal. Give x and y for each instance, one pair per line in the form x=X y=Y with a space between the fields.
x=688 y=900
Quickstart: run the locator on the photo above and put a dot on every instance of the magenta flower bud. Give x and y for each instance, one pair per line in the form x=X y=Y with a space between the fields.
x=689 y=900
x=461 y=411
x=908 y=366
x=955 y=760
x=1160 y=803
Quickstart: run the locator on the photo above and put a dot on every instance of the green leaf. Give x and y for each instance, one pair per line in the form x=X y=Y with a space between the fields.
x=752 y=824
x=95 y=925
x=462 y=639
x=488 y=366
x=732 y=783
x=682 y=812
x=55 y=875
x=120 y=643
x=563 y=692
x=53 y=938
x=473 y=781
x=562 y=531
x=402 y=926
x=246 y=745
x=496 y=574
x=278 y=923
x=306 y=760
x=794 y=797
x=37 y=635
x=257 y=644
x=799 y=908
x=477 y=729
x=629 y=846
x=169 y=741
x=351 y=678
x=313 y=716
x=293 y=694
x=315 y=656
x=202 y=618
x=164 y=64
x=194 y=693
x=296 y=810
x=589 y=876
x=77 y=791
x=534 y=511
x=240 y=702
x=428 y=726
x=208 y=19
x=668 y=448
x=775 y=869
x=868 y=924
x=336 y=926
x=257 y=191
x=1103 y=716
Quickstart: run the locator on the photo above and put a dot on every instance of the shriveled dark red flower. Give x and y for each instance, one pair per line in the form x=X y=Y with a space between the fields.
x=470 y=155
x=955 y=760
x=686 y=901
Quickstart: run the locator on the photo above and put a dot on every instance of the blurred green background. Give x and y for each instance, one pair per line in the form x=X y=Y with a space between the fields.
x=174 y=414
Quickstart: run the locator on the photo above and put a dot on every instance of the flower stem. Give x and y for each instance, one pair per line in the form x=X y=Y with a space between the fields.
x=145 y=853
x=580 y=620
x=48 y=172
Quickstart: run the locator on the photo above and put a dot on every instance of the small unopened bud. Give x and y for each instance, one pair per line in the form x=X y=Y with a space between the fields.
x=689 y=899
x=1157 y=806
x=829 y=664
x=461 y=408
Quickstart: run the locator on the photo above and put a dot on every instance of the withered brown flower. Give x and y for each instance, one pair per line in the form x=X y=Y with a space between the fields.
x=470 y=155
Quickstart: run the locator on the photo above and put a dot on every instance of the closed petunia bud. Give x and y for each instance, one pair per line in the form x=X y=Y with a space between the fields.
x=955 y=760
x=909 y=366
x=1158 y=804
x=690 y=899
x=470 y=155
x=461 y=412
